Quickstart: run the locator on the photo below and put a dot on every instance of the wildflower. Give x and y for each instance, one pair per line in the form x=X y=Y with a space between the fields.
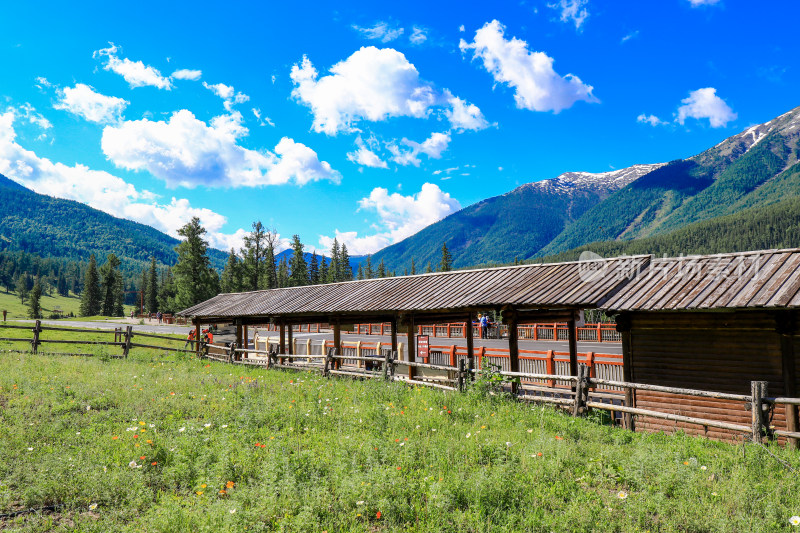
x=559 y=438
x=154 y=463
x=229 y=484
x=530 y=431
x=30 y=449
x=199 y=492
x=704 y=467
x=402 y=444
x=181 y=430
x=222 y=492
x=151 y=425
x=469 y=435
x=141 y=423
x=92 y=507
x=149 y=441
x=686 y=463
x=114 y=437
x=378 y=515
x=360 y=502
x=202 y=486
x=508 y=443
x=795 y=520
x=223 y=426
x=135 y=437
x=232 y=511
x=398 y=468
x=142 y=458
x=132 y=464
x=207 y=425
x=622 y=495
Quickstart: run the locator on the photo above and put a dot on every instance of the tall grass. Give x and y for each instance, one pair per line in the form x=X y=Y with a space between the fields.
x=176 y=444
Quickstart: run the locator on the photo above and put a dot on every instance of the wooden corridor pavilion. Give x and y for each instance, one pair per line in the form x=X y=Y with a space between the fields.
x=527 y=293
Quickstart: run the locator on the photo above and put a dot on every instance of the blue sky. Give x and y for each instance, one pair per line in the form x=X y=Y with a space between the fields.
x=368 y=121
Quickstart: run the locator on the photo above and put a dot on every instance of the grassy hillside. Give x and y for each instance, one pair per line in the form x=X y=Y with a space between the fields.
x=11 y=303
x=160 y=444
x=53 y=227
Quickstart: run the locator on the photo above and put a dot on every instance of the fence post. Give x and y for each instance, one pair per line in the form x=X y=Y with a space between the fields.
x=599 y=332
x=758 y=390
x=127 y=347
x=590 y=364
x=550 y=367
x=581 y=392
x=387 y=360
x=232 y=352
x=481 y=354
x=35 y=342
x=359 y=363
x=461 y=367
x=328 y=361
x=536 y=332
x=453 y=361
x=555 y=331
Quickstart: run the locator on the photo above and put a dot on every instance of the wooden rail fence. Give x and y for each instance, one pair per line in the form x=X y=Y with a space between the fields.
x=536 y=332
x=543 y=378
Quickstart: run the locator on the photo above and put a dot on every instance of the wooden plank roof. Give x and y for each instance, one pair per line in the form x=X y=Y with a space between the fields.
x=746 y=280
x=574 y=285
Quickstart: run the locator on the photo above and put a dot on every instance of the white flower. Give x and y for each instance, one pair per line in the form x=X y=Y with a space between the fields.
x=508 y=444
x=434 y=429
x=704 y=467
x=132 y=464
x=795 y=520
x=77 y=432
x=360 y=502
x=223 y=426
x=88 y=407
x=93 y=507
x=622 y=495
x=469 y=435
x=232 y=511
x=402 y=444
x=30 y=449
x=530 y=431
x=151 y=425
x=206 y=425
x=182 y=430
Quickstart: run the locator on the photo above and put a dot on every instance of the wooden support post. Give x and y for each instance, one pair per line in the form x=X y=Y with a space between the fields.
x=412 y=346
x=387 y=360
x=35 y=342
x=290 y=344
x=394 y=334
x=758 y=390
x=197 y=338
x=624 y=329
x=550 y=367
x=328 y=362
x=581 y=392
x=461 y=371
x=308 y=346
x=128 y=336
x=785 y=326
x=245 y=334
x=572 y=333
x=282 y=342
x=470 y=345
x=239 y=343
x=337 y=341
x=510 y=316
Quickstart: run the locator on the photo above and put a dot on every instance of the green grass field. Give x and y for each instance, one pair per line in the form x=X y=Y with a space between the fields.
x=171 y=443
x=17 y=310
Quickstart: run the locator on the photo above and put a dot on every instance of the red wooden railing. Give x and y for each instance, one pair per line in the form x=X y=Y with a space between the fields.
x=537 y=332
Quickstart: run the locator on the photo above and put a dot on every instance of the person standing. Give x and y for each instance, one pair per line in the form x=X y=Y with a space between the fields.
x=484 y=322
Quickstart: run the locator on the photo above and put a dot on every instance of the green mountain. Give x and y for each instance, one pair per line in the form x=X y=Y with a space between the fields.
x=53 y=227
x=755 y=168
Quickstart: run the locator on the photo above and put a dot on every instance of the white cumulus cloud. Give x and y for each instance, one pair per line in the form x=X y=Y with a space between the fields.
x=432 y=147
x=185 y=151
x=418 y=35
x=537 y=86
x=372 y=84
x=136 y=73
x=87 y=103
x=187 y=74
x=104 y=191
x=704 y=103
x=572 y=11
x=650 y=119
x=365 y=157
x=228 y=94
x=399 y=217
x=381 y=31
x=698 y=3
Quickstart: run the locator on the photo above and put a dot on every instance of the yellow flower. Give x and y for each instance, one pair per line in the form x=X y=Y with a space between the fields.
x=203 y=486
x=199 y=492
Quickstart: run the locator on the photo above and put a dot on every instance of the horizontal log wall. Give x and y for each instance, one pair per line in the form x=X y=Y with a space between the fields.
x=709 y=351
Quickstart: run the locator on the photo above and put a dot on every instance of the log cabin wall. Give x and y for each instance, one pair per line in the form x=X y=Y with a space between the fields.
x=718 y=351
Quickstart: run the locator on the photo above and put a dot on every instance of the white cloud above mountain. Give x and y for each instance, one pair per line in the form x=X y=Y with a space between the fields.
x=228 y=94
x=650 y=119
x=433 y=147
x=572 y=11
x=537 y=86
x=380 y=31
x=186 y=152
x=85 y=102
x=374 y=85
x=704 y=103
x=136 y=73
x=187 y=74
x=399 y=217
x=104 y=191
x=365 y=157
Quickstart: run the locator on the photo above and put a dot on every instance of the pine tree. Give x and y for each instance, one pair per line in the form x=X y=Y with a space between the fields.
x=34 y=305
x=62 y=285
x=112 y=291
x=194 y=277
x=429 y=268
x=151 y=296
x=231 y=276
x=90 y=297
x=446 y=264
x=166 y=293
x=283 y=274
x=368 y=273
x=323 y=270
x=271 y=271
x=413 y=267
x=333 y=267
x=21 y=287
x=360 y=274
x=382 y=269
x=346 y=269
x=299 y=267
x=254 y=252
x=313 y=269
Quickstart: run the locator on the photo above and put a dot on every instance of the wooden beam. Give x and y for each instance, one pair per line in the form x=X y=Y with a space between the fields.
x=282 y=342
x=412 y=346
x=572 y=333
x=785 y=325
x=510 y=318
x=290 y=340
x=394 y=335
x=337 y=341
x=197 y=338
x=624 y=329
x=238 y=336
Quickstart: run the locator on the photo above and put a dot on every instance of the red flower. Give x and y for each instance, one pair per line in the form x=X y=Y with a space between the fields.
x=258 y=444
x=154 y=463
x=378 y=515
x=398 y=468
x=142 y=458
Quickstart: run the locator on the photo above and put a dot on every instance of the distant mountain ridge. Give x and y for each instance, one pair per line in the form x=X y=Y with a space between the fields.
x=54 y=227
x=755 y=168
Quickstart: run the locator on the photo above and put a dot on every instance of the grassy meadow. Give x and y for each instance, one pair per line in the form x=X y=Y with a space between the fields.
x=170 y=443
x=16 y=309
